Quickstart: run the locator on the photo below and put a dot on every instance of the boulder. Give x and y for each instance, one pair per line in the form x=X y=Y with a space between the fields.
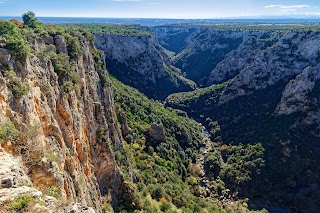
x=61 y=44
x=5 y=56
x=156 y=133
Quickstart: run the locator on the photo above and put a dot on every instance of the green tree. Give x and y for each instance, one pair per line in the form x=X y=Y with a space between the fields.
x=74 y=47
x=30 y=20
x=242 y=163
x=15 y=42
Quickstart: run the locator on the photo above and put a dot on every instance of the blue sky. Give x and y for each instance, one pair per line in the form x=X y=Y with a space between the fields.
x=160 y=8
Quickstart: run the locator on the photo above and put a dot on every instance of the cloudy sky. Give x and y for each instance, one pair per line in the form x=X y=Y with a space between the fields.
x=160 y=8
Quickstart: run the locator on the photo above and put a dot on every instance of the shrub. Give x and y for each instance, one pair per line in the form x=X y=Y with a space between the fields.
x=15 y=43
x=52 y=157
x=21 y=202
x=60 y=64
x=101 y=132
x=8 y=131
x=75 y=77
x=74 y=47
x=212 y=163
x=7 y=27
x=165 y=206
x=54 y=192
x=65 y=71
x=18 y=88
x=68 y=86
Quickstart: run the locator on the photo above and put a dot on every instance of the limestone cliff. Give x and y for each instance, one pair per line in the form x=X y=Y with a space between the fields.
x=288 y=57
x=67 y=130
x=200 y=49
x=141 y=62
x=300 y=95
x=238 y=59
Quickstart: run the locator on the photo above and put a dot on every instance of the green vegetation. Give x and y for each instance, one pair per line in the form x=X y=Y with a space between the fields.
x=198 y=49
x=252 y=27
x=16 y=42
x=162 y=144
x=54 y=192
x=112 y=29
x=22 y=202
x=74 y=47
x=61 y=64
x=163 y=164
x=159 y=165
x=159 y=90
x=249 y=119
x=185 y=99
x=30 y=20
x=66 y=70
x=17 y=37
x=182 y=134
x=8 y=131
x=242 y=162
x=18 y=88
x=154 y=87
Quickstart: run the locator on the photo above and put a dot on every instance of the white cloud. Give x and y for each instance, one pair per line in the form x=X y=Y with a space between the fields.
x=288 y=7
x=289 y=10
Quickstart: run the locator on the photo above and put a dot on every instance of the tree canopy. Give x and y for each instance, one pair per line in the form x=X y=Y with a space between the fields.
x=30 y=20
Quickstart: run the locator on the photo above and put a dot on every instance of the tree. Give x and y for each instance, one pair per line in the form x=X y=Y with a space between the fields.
x=15 y=43
x=30 y=20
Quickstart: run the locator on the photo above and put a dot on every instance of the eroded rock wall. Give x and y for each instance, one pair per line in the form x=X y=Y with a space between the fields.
x=66 y=139
x=142 y=63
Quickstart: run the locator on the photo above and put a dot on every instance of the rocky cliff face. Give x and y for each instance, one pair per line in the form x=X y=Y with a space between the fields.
x=238 y=59
x=65 y=137
x=288 y=57
x=200 y=49
x=141 y=63
x=301 y=96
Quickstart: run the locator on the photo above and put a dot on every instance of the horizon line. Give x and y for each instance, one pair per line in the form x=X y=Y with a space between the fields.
x=170 y=18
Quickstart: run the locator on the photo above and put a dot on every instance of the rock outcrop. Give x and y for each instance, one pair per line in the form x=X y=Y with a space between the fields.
x=66 y=137
x=60 y=43
x=15 y=185
x=156 y=133
x=300 y=96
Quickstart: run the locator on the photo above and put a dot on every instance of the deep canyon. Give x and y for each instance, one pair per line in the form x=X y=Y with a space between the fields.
x=103 y=122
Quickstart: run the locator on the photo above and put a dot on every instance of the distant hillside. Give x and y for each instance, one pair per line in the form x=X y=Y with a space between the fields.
x=266 y=90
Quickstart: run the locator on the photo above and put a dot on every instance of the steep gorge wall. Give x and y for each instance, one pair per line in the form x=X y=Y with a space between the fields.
x=198 y=50
x=67 y=137
x=142 y=63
